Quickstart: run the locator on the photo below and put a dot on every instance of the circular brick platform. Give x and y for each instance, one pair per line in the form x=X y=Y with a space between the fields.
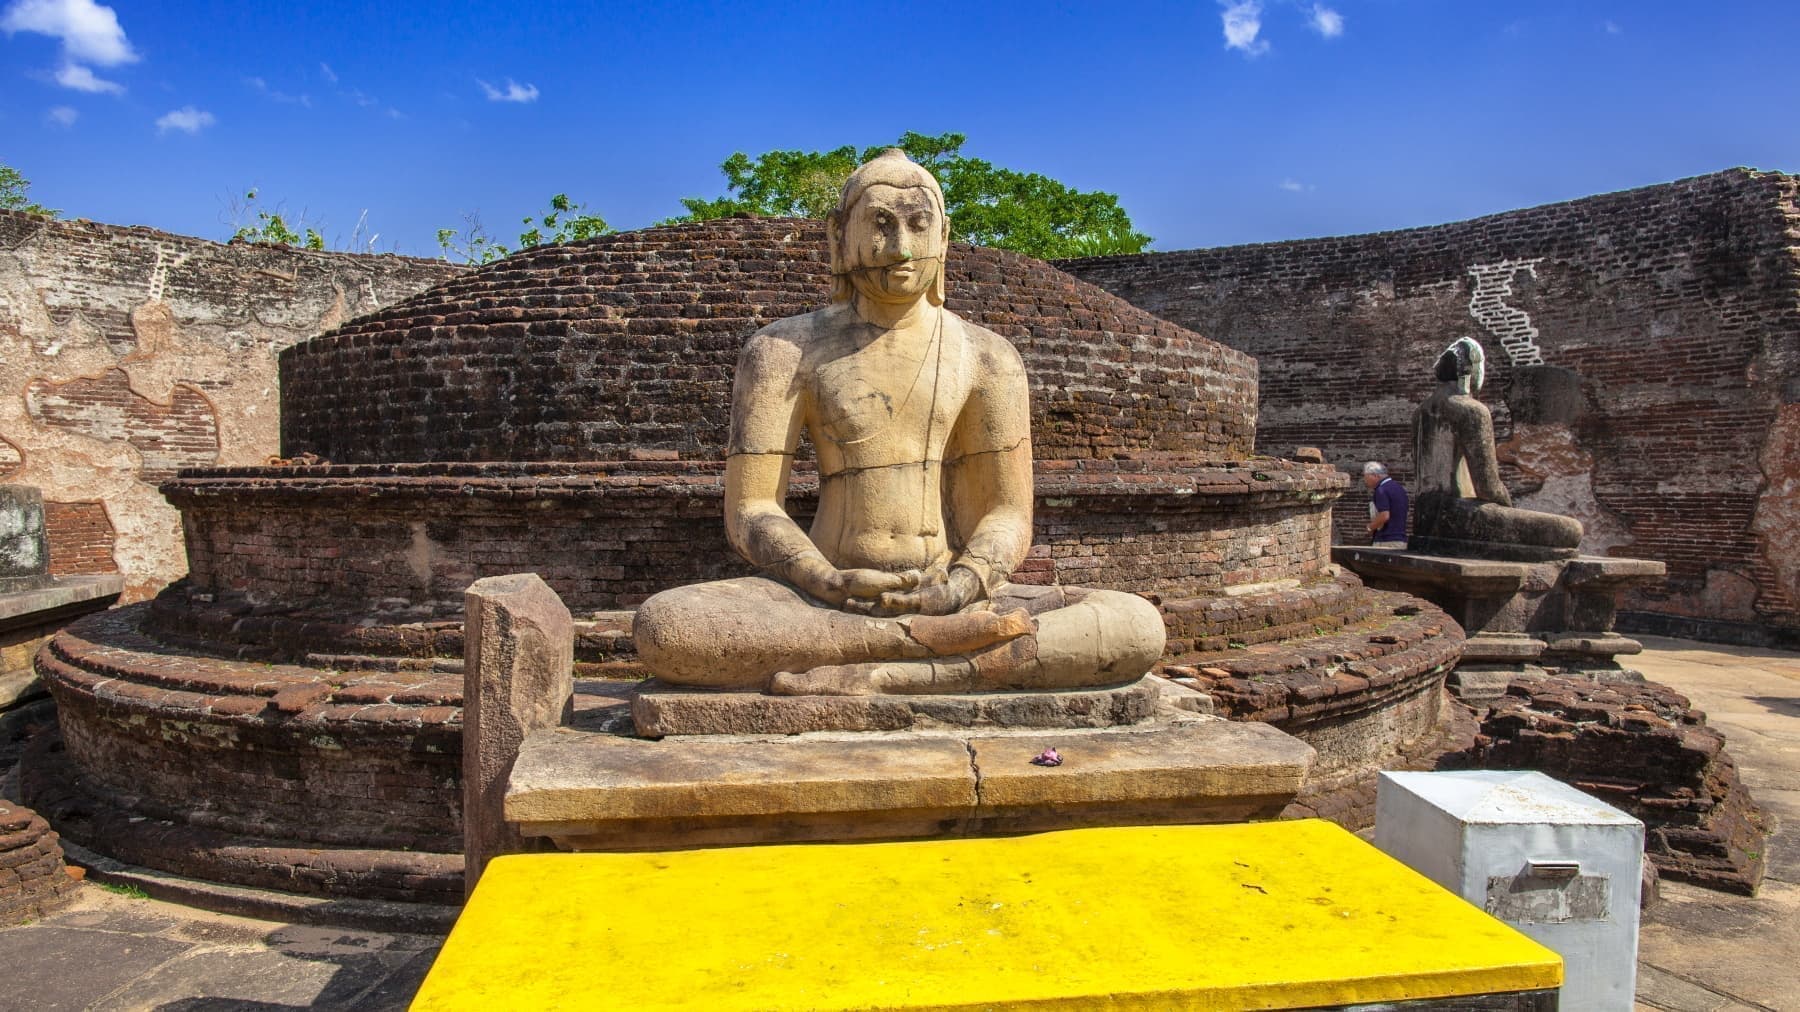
x=312 y=780
x=395 y=545
x=1366 y=689
x=32 y=880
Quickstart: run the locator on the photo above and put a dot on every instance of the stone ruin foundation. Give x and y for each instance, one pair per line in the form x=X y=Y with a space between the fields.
x=289 y=715
x=1643 y=748
x=33 y=881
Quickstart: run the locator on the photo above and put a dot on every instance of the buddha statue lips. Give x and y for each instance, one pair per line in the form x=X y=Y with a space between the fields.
x=921 y=425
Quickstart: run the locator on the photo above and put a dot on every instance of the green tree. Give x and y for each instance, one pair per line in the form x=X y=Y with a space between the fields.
x=13 y=187
x=988 y=205
x=562 y=221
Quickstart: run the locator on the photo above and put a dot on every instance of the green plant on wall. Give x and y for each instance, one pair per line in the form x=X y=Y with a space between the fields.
x=565 y=221
x=471 y=243
x=272 y=229
x=562 y=221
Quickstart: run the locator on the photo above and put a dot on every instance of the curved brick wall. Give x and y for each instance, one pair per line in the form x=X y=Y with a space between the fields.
x=628 y=342
x=405 y=541
x=340 y=782
x=1642 y=370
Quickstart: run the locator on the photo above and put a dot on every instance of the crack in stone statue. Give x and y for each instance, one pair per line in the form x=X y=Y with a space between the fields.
x=1462 y=508
x=921 y=425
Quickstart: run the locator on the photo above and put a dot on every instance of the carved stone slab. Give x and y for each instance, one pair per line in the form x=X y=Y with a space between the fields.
x=660 y=710
x=598 y=791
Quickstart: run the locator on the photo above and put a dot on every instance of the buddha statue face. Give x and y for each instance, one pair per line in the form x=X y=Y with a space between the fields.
x=889 y=233
x=894 y=243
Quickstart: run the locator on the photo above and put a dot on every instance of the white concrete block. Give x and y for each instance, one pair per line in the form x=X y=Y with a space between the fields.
x=1559 y=865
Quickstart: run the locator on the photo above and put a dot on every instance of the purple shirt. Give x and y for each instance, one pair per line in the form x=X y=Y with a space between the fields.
x=1390 y=497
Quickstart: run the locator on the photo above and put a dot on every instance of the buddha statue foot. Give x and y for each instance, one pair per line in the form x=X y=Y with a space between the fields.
x=1010 y=665
x=968 y=631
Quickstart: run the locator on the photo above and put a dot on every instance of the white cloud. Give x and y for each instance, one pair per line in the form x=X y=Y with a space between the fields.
x=89 y=32
x=1326 y=22
x=1295 y=186
x=186 y=119
x=78 y=77
x=1612 y=28
x=1242 y=21
x=62 y=115
x=276 y=95
x=330 y=75
x=513 y=92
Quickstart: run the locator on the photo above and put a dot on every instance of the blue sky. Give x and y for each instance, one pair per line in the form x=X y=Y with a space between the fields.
x=1216 y=123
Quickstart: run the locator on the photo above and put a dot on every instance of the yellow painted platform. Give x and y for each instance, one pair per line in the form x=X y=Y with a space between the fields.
x=1267 y=915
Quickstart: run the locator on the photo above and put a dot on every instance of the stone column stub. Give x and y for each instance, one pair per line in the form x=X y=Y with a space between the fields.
x=518 y=677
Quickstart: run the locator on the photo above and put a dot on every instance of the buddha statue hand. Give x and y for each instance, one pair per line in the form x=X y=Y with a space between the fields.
x=939 y=591
x=854 y=590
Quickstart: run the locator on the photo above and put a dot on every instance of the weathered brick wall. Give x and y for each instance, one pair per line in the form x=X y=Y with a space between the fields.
x=1643 y=370
x=629 y=342
x=127 y=353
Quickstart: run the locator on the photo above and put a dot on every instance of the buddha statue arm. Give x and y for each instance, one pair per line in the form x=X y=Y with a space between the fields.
x=766 y=416
x=1476 y=434
x=989 y=478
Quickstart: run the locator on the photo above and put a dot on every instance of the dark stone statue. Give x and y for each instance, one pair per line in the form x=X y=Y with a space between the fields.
x=1461 y=507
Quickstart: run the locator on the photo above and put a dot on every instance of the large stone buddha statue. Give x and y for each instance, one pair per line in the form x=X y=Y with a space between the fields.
x=1462 y=507
x=921 y=426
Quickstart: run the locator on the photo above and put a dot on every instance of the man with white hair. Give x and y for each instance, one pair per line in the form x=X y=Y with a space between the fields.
x=1387 y=507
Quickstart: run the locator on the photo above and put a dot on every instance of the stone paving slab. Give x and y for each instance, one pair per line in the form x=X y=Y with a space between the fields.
x=265 y=977
x=117 y=952
x=65 y=591
x=1659 y=989
x=53 y=967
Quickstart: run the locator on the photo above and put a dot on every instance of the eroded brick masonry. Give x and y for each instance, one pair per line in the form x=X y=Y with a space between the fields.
x=127 y=354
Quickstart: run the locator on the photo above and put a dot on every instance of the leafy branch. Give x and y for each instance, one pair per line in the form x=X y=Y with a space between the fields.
x=13 y=189
x=988 y=205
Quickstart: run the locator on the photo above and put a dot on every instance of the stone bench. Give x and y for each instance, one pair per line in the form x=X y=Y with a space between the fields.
x=1272 y=915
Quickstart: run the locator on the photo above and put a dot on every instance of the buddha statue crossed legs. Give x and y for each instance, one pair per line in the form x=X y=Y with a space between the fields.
x=921 y=425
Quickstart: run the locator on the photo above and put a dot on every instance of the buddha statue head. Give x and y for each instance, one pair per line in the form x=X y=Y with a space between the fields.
x=889 y=233
x=1463 y=363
